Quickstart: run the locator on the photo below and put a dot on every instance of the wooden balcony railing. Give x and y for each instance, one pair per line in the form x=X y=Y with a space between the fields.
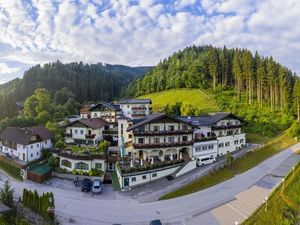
x=166 y=132
x=163 y=145
x=226 y=127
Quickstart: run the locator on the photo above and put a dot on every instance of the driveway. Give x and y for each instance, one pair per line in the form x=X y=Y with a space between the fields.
x=191 y=209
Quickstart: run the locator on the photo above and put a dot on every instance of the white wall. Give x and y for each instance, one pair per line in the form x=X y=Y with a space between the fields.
x=191 y=165
x=235 y=142
x=127 y=109
x=126 y=135
x=150 y=176
x=204 y=146
x=91 y=163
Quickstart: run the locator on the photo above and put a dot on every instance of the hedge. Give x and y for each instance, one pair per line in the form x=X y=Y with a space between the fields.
x=10 y=168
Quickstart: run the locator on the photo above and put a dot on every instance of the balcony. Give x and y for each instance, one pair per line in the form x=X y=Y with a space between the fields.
x=163 y=145
x=90 y=136
x=166 y=132
x=139 y=108
x=69 y=135
x=224 y=127
x=138 y=115
x=203 y=139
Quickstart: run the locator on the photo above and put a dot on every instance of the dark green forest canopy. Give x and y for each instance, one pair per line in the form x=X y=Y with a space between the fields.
x=88 y=82
x=254 y=78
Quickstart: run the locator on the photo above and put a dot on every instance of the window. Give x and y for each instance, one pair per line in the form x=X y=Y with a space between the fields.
x=242 y=141
x=37 y=145
x=133 y=179
x=220 y=133
x=221 y=145
x=98 y=166
x=210 y=146
x=237 y=122
x=66 y=163
x=141 y=140
x=171 y=139
x=46 y=142
x=184 y=127
x=171 y=128
x=227 y=143
x=37 y=153
x=81 y=166
x=31 y=155
x=154 y=174
x=156 y=140
x=31 y=146
x=127 y=106
x=156 y=128
x=81 y=131
x=129 y=135
x=236 y=142
x=204 y=147
x=76 y=131
x=95 y=114
x=144 y=177
x=184 y=138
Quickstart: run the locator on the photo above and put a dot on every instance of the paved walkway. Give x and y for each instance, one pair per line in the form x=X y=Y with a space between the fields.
x=201 y=208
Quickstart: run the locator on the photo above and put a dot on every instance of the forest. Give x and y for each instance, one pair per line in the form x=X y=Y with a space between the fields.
x=88 y=82
x=254 y=87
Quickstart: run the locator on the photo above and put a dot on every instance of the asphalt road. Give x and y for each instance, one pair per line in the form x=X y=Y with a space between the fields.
x=90 y=211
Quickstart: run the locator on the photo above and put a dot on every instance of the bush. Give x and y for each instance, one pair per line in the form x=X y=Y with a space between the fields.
x=53 y=161
x=103 y=146
x=60 y=145
x=75 y=172
x=294 y=131
x=61 y=170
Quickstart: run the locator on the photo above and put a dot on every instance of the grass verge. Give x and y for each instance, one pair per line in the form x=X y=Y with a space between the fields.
x=115 y=181
x=250 y=160
x=256 y=138
x=10 y=168
x=283 y=204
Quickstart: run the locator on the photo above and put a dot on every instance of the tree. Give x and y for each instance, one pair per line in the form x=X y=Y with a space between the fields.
x=229 y=160
x=103 y=146
x=7 y=194
x=60 y=145
x=53 y=161
x=297 y=98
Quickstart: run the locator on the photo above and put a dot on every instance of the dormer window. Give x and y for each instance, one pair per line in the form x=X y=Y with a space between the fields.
x=33 y=138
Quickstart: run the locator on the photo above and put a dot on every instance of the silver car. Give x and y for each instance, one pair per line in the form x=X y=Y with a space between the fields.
x=97 y=186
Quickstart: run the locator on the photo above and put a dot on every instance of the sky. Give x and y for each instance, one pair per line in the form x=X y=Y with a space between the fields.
x=141 y=32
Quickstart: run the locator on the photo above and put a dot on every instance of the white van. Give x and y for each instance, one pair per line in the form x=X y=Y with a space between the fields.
x=205 y=160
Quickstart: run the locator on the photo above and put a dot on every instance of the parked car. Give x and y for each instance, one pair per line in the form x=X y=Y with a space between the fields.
x=155 y=222
x=97 y=186
x=86 y=185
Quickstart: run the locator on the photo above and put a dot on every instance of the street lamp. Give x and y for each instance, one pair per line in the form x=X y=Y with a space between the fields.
x=282 y=185
x=266 y=206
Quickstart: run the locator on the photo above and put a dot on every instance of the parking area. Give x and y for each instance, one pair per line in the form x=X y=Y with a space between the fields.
x=107 y=189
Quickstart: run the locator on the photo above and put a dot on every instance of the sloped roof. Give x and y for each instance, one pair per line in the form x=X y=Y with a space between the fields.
x=135 y=101
x=106 y=104
x=23 y=135
x=207 y=120
x=95 y=123
x=154 y=117
x=43 y=132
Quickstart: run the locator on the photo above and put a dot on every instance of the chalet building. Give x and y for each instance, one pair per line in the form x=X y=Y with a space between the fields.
x=84 y=111
x=106 y=111
x=135 y=108
x=86 y=131
x=25 y=144
x=160 y=137
x=215 y=135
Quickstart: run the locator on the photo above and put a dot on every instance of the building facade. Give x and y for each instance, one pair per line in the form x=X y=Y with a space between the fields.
x=25 y=144
x=135 y=108
x=160 y=137
x=86 y=131
x=106 y=111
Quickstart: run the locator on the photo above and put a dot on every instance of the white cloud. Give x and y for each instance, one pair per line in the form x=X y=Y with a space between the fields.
x=118 y=31
x=5 y=69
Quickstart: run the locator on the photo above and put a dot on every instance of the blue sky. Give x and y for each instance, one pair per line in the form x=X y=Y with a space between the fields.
x=141 y=32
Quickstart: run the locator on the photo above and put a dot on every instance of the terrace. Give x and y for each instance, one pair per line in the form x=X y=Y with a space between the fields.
x=162 y=145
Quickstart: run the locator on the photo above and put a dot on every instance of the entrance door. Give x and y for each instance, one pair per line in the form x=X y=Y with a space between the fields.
x=126 y=182
x=141 y=155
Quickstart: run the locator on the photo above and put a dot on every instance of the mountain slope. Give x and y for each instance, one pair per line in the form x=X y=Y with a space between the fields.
x=89 y=82
x=195 y=98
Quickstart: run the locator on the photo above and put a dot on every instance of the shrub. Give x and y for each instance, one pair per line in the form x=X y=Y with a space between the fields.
x=10 y=168
x=75 y=172
x=53 y=161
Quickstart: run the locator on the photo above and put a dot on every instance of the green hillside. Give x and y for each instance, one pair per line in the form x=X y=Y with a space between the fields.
x=193 y=97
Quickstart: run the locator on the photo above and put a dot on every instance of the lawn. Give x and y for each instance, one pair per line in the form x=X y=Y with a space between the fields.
x=76 y=148
x=283 y=207
x=256 y=138
x=194 y=97
x=241 y=165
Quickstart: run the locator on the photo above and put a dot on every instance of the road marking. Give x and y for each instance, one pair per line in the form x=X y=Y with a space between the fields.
x=238 y=211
